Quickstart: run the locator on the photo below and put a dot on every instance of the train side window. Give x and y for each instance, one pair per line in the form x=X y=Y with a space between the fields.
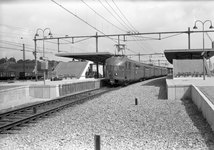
x=137 y=67
x=126 y=65
x=129 y=65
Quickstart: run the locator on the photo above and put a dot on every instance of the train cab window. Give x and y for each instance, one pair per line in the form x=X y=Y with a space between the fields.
x=115 y=68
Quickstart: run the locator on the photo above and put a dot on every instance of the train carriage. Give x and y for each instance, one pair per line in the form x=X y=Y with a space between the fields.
x=121 y=70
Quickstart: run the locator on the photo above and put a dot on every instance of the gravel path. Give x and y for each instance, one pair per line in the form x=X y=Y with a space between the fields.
x=155 y=123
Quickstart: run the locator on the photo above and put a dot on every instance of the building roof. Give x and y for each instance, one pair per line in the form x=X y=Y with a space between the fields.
x=99 y=57
x=188 y=54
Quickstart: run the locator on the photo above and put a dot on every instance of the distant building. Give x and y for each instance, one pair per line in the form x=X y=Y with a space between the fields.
x=12 y=70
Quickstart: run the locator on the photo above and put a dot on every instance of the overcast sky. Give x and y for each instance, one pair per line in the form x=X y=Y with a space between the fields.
x=20 y=19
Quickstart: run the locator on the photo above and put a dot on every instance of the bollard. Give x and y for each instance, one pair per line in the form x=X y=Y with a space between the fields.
x=136 y=102
x=97 y=142
x=34 y=110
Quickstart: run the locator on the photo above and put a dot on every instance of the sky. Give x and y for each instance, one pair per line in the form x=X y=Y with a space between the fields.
x=21 y=19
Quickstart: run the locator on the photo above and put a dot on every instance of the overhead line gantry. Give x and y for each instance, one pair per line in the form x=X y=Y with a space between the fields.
x=96 y=36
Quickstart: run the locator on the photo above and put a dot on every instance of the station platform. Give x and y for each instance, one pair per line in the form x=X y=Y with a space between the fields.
x=200 y=91
x=178 y=87
x=21 y=93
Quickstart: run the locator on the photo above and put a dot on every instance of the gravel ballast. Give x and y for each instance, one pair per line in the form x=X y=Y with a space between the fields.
x=155 y=123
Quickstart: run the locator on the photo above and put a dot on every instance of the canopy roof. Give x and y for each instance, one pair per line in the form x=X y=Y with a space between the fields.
x=188 y=54
x=99 y=57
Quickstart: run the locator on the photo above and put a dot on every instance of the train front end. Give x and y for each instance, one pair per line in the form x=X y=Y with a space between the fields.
x=115 y=70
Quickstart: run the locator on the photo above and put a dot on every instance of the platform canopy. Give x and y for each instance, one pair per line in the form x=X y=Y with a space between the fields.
x=99 y=57
x=188 y=54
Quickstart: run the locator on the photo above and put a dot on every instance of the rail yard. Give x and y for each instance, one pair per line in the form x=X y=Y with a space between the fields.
x=154 y=123
x=107 y=75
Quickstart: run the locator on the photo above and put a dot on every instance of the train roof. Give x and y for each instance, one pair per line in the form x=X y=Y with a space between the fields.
x=124 y=58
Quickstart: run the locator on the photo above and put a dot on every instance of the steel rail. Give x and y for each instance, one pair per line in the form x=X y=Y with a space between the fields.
x=32 y=117
x=43 y=103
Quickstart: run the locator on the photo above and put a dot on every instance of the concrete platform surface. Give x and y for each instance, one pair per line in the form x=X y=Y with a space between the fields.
x=208 y=91
x=47 y=82
x=200 y=91
x=209 y=81
x=179 y=88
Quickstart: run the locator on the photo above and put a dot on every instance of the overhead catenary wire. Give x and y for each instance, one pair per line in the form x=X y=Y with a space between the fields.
x=76 y=41
x=81 y=19
x=102 y=16
x=135 y=30
x=116 y=19
x=39 y=49
x=171 y=36
x=22 y=29
x=21 y=44
x=3 y=47
x=209 y=37
x=16 y=28
x=127 y=27
x=113 y=15
x=124 y=15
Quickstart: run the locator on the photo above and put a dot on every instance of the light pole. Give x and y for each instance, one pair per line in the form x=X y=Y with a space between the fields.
x=23 y=59
x=50 y=34
x=203 y=41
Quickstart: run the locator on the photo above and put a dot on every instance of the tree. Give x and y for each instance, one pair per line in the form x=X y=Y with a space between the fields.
x=3 y=60
x=20 y=61
x=12 y=59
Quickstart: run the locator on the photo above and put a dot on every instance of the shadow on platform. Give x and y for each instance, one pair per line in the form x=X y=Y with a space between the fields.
x=161 y=83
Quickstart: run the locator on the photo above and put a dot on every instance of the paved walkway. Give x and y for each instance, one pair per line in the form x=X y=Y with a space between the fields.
x=209 y=81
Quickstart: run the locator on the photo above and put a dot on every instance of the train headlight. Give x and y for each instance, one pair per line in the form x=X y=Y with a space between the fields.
x=115 y=74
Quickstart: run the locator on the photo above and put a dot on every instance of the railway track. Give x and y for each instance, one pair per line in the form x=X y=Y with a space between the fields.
x=16 y=118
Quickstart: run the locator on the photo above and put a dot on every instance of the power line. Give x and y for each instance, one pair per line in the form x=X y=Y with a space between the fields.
x=129 y=24
x=209 y=37
x=123 y=15
x=81 y=19
x=112 y=14
x=21 y=45
x=116 y=18
x=170 y=36
x=16 y=28
x=21 y=49
x=128 y=28
x=118 y=15
x=102 y=16
x=76 y=41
